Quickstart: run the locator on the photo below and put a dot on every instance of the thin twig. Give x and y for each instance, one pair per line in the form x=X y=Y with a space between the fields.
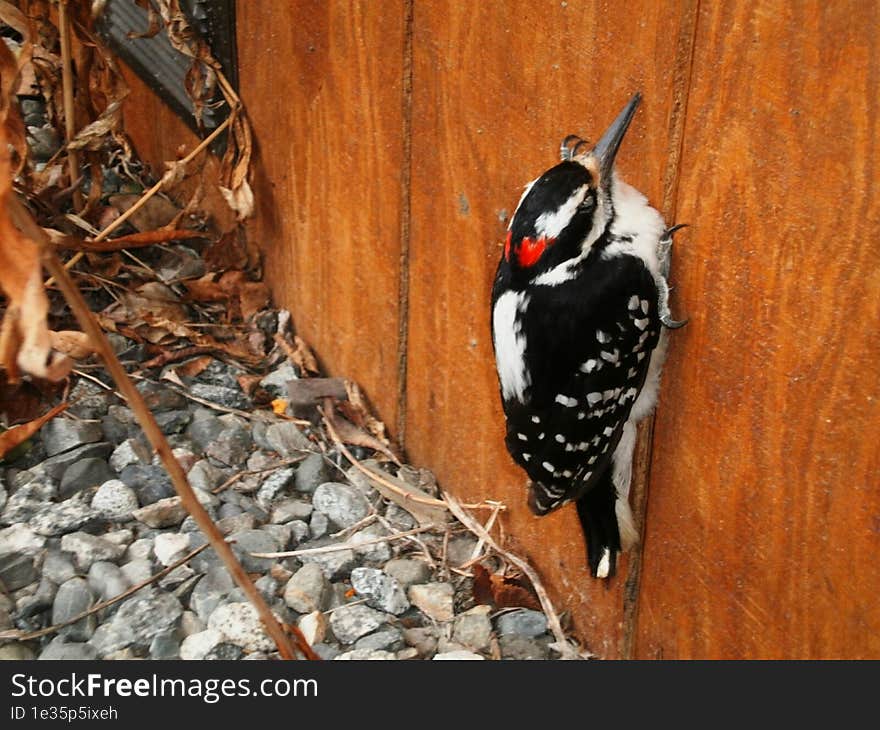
x=21 y=636
x=67 y=97
x=346 y=545
x=490 y=523
x=563 y=645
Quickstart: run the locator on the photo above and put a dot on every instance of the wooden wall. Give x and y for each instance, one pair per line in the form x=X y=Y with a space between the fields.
x=394 y=138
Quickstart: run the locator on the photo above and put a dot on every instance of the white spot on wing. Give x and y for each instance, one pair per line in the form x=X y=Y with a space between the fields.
x=633 y=303
x=526 y=457
x=604 y=337
x=522 y=437
x=645 y=306
x=589 y=366
x=593 y=398
x=610 y=356
x=642 y=323
x=560 y=438
x=604 y=564
x=565 y=400
x=548 y=466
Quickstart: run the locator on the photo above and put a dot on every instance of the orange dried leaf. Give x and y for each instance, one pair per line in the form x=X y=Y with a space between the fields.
x=279 y=406
x=19 y=434
x=502 y=592
x=74 y=344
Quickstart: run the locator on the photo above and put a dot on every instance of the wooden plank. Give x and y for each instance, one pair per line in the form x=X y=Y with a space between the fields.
x=154 y=128
x=764 y=509
x=322 y=83
x=496 y=86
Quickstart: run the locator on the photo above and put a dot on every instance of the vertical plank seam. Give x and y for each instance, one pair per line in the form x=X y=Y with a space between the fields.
x=683 y=74
x=405 y=212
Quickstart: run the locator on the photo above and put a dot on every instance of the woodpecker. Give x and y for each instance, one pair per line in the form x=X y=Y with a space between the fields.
x=579 y=307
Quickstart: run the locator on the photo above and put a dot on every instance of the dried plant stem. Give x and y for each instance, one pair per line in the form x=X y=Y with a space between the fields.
x=67 y=96
x=21 y=636
x=157 y=440
x=564 y=647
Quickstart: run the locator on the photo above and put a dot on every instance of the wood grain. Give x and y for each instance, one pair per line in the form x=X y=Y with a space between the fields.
x=763 y=523
x=495 y=88
x=322 y=84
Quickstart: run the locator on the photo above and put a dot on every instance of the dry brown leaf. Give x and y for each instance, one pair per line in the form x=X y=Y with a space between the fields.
x=254 y=297
x=356 y=410
x=157 y=212
x=241 y=200
x=349 y=433
x=502 y=592
x=302 y=356
x=14 y=18
x=73 y=344
x=418 y=503
x=94 y=135
x=249 y=383
x=19 y=434
x=191 y=368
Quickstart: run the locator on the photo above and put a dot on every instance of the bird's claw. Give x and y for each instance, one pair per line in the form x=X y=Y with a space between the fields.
x=567 y=150
x=672 y=324
x=669 y=232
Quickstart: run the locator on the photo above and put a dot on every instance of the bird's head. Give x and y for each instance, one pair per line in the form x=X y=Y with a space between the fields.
x=564 y=211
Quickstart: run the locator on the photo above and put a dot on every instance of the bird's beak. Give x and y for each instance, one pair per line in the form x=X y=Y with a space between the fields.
x=606 y=148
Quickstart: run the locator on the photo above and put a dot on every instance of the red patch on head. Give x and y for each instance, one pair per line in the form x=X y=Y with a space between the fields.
x=530 y=251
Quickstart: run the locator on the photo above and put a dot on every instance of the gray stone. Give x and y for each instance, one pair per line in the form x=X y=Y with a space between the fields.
x=287 y=439
x=107 y=580
x=173 y=421
x=43 y=142
x=433 y=599
x=221 y=395
x=236 y=523
x=60 y=648
x=275 y=483
x=190 y=624
x=399 y=518
x=204 y=428
x=170 y=546
x=27 y=500
x=473 y=628
x=311 y=473
x=457 y=655
x=267 y=587
x=20 y=539
x=382 y=591
x=377 y=553
x=343 y=504
x=350 y=623
x=89 y=401
x=225 y=652
x=138 y=621
x=151 y=483
x=319 y=525
x=280 y=533
x=515 y=646
x=229 y=509
x=140 y=548
x=335 y=564
x=84 y=474
x=388 y=638
x=261 y=460
x=55 y=466
x=58 y=566
x=299 y=531
x=196 y=646
x=163 y=513
x=210 y=592
x=276 y=381
x=365 y=655
x=137 y=570
x=240 y=625
x=61 y=434
x=72 y=599
x=204 y=475
x=460 y=549
x=423 y=639
x=290 y=509
x=233 y=444
x=327 y=652
x=160 y=398
x=165 y=646
x=39 y=601
x=521 y=622
x=255 y=541
x=306 y=591
x=130 y=452
x=90 y=548
x=63 y=517
x=17 y=571
x=115 y=501
x=408 y=571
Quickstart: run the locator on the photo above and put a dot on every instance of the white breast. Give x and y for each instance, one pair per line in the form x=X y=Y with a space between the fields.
x=510 y=344
x=635 y=219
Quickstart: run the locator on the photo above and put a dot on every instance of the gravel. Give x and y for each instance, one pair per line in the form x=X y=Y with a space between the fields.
x=343 y=504
x=349 y=623
x=115 y=501
x=307 y=589
x=381 y=590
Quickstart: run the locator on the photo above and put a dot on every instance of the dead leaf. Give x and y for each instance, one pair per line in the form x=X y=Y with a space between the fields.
x=348 y=433
x=279 y=406
x=19 y=434
x=502 y=592
x=94 y=135
x=192 y=368
x=74 y=344
x=420 y=505
x=157 y=212
x=241 y=200
x=254 y=297
x=249 y=383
